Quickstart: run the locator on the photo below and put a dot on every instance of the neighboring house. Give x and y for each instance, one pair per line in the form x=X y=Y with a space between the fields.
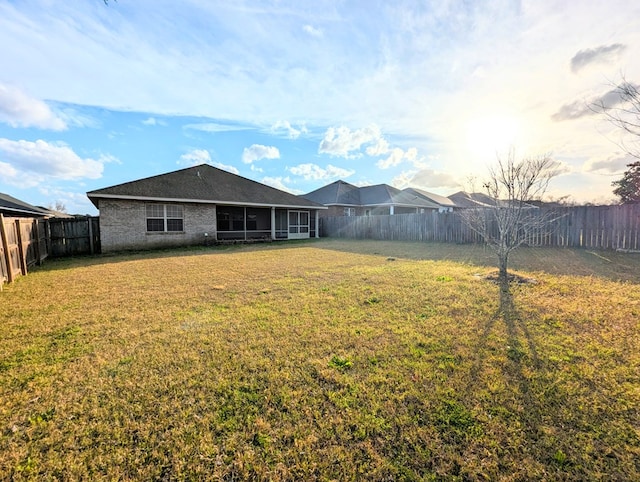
x=340 y=198
x=344 y=199
x=464 y=199
x=10 y=206
x=441 y=203
x=198 y=205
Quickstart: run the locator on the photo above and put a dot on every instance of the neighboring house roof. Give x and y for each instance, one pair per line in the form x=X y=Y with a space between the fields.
x=202 y=184
x=472 y=200
x=337 y=193
x=437 y=200
x=383 y=194
x=344 y=194
x=15 y=207
x=478 y=199
x=53 y=213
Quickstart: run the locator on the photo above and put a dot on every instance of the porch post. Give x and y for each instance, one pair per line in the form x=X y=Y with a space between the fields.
x=244 y=225
x=273 y=223
x=317 y=224
x=391 y=210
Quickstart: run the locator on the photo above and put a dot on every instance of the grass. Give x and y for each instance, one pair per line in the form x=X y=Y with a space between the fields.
x=322 y=360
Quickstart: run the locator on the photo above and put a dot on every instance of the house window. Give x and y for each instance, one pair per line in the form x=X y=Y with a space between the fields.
x=165 y=218
x=349 y=211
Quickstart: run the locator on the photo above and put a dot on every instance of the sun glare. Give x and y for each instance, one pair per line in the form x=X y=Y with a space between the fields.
x=488 y=136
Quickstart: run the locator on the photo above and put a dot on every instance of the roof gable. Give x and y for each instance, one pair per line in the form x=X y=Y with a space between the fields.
x=338 y=192
x=202 y=183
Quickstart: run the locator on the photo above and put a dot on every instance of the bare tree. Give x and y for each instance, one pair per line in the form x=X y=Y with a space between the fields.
x=58 y=206
x=621 y=107
x=508 y=222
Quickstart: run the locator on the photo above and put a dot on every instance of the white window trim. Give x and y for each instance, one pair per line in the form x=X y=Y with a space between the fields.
x=165 y=218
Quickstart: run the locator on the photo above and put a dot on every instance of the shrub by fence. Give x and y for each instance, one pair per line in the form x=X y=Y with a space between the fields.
x=596 y=227
x=29 y=241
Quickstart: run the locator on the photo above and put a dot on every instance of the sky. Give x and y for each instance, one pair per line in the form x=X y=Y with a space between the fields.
x=297 y=94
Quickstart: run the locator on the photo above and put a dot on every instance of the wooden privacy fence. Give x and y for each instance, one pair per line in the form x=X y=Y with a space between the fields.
x=29 y=241
x=596 y=227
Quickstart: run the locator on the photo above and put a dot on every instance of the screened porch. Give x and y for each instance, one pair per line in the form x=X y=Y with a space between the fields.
x=243 y=223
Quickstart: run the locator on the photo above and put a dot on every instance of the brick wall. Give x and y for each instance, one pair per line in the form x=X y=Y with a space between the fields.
x=123 y=225
x=338 y=211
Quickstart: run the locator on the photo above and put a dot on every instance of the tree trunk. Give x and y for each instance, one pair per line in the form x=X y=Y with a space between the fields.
x=503 y=279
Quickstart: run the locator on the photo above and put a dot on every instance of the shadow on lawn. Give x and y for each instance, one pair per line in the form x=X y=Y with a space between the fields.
x=610 y=265
x=556 y=261
x=521 y=357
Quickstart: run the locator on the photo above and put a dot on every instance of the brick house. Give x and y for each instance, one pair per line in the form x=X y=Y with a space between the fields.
x=199 y=205
x=344 y=199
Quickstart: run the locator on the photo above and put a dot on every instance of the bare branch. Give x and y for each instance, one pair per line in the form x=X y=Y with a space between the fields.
x=624 y=113
x=510 y=221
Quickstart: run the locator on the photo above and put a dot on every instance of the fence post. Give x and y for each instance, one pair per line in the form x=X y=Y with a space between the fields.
x=36 y=222
x=21 y=251
x=5 y=247
x=90 y=234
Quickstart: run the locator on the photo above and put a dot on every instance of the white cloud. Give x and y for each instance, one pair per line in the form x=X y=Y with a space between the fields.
x=153 y=121
x=74 y=202
x=33 y=162
x=425 y=179
x=195 y=157
x=285 y=128
x=225 y=167
x=313 y=31
x=314 y=172
x=258 y=151
x=341 y=141
x=19 y=110
x=279 y=183
x=216 y=127
x=72 y=117
x=397 y=156
x=8 y=173
x=380 y=148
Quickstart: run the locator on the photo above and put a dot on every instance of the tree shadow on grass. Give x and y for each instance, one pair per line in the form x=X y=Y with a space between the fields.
x=521 y=360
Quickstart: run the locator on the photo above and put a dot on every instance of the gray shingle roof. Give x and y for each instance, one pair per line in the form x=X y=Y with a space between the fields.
x=203 y=183
x=435 y=199
x=472 y=200
x=339 y=192
x=11 y=206
x=479 y=200
x=344 y=194
x=383 y=194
